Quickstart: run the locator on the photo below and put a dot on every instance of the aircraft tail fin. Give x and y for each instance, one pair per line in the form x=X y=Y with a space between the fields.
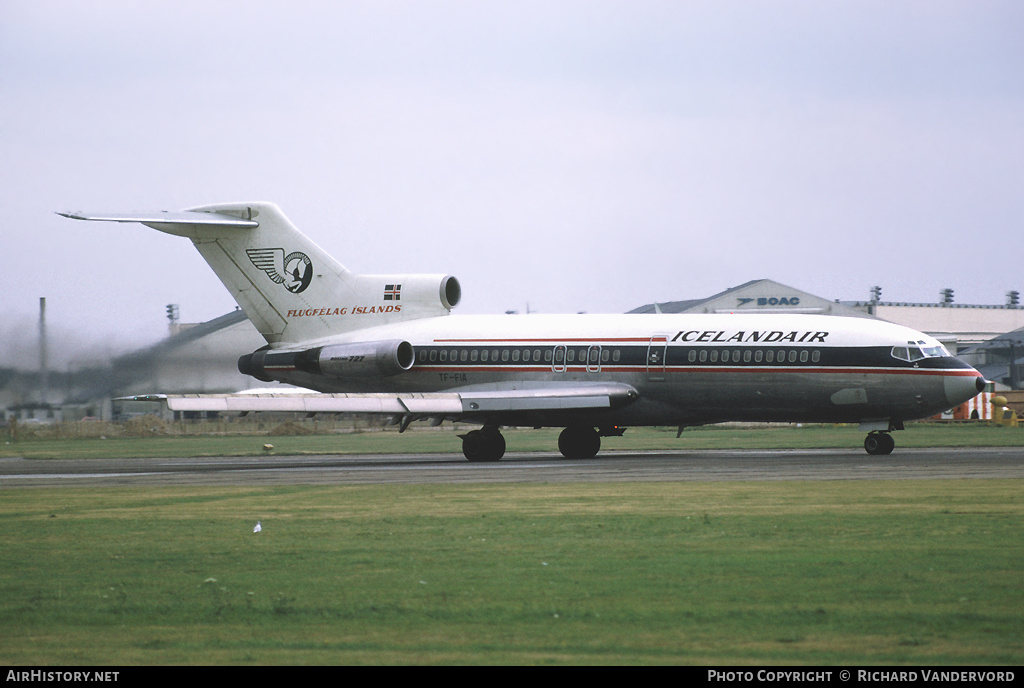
x=289 y=287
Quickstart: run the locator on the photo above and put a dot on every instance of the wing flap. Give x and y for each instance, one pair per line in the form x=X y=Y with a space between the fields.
x=536 y=400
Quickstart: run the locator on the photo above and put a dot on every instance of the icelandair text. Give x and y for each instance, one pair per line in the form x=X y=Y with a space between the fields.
x=722 y=337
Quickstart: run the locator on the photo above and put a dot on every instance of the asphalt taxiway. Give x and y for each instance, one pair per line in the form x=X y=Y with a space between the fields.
x=817 y=464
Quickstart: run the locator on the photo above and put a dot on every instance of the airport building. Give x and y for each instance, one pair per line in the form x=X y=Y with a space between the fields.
x=757 y=296
x=202 y=358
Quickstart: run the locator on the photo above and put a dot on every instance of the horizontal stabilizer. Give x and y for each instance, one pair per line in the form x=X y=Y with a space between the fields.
x=181 y=217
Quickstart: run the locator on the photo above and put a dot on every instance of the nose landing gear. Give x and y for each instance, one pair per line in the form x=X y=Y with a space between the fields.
x=579 y=442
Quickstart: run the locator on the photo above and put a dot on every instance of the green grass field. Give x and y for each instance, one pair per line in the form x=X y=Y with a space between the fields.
x=865 y=572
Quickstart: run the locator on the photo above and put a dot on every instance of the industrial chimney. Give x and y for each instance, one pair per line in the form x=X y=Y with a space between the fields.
x=44 y=365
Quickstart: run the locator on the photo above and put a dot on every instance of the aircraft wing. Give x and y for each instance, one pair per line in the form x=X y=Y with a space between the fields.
x=465 y=403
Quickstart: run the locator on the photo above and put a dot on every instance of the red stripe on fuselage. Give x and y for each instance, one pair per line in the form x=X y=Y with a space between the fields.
x=550 y=340
x=533 y=368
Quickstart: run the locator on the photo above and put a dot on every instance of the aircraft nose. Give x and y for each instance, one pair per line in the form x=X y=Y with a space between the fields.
x=961 y=388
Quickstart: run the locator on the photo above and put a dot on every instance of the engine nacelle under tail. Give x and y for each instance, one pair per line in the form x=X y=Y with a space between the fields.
x=355 y=360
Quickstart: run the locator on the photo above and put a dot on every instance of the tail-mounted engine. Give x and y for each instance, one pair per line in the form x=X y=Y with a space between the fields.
x=415 y=294
x=356 y=360
x=450 y=292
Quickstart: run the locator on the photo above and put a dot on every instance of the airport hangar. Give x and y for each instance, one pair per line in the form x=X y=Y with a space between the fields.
x=202 y=357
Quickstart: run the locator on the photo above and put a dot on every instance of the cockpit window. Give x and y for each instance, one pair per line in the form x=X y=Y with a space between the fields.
x=915 y=351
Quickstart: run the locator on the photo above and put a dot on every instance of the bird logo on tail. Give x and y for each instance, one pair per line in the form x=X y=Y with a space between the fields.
x=294 y=271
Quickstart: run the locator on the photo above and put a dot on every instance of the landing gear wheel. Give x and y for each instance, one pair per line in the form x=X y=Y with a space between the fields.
x=878 y=443
x=579 y=442
x=483 y=445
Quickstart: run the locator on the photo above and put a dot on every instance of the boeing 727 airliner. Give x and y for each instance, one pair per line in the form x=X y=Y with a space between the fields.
x=387 y=344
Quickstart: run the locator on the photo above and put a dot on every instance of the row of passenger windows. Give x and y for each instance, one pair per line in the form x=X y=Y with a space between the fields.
x=757 y=356
x=592 y=355
x=557 y=355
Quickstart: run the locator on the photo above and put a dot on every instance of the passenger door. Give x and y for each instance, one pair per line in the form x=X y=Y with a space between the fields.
x=657 y=351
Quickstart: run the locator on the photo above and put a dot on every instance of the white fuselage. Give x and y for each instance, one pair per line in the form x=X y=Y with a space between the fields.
x=688 y=369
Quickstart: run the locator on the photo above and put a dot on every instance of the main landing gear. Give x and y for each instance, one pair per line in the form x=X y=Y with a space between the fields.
x=483 y=445
x=879 y=443
x=575 y=442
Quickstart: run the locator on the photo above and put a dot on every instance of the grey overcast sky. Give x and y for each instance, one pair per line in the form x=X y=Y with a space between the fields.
x=571 y=155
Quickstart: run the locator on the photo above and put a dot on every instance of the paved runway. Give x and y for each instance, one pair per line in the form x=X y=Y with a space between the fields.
x=818 y=464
